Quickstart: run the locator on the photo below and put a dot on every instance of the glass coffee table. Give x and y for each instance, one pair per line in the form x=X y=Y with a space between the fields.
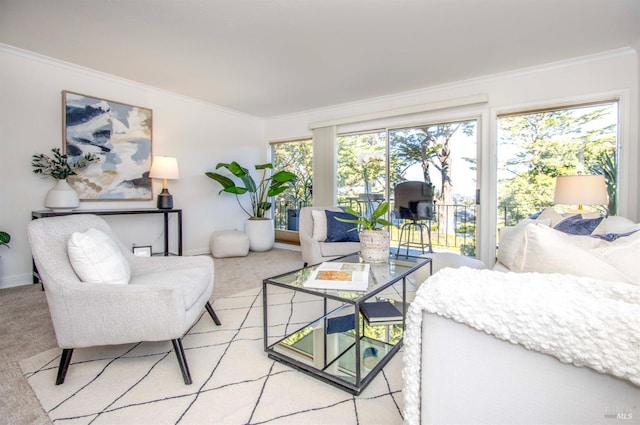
x=323 y=332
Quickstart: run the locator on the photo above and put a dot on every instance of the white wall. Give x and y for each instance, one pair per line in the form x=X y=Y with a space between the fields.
x=198 y=134
x=611 y=74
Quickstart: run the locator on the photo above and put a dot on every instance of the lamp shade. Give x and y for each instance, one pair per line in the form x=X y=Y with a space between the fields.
x=164 y=167
x=581 y=190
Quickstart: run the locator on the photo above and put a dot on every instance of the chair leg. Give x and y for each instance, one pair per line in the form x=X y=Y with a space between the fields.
x=421 y=227
x=182 y=360
x=65 y=360
x=212 y=313
x=400 y=239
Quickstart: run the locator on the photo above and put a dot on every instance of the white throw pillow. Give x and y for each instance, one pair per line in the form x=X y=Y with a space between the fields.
x=623 y=254
x=552 y=215
x=96 y=258
x=619 y=224
x=510 y=248
x=319 y=225
x=547 y=250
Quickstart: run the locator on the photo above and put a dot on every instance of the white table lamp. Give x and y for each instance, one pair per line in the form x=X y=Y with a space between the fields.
x=581 y=190
x=165 y=168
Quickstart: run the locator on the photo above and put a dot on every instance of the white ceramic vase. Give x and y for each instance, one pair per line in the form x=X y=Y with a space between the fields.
x=374 y=246
x=261 y=234
x=62 y=197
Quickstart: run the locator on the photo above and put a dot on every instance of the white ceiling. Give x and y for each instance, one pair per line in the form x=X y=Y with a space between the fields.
x=274 y=57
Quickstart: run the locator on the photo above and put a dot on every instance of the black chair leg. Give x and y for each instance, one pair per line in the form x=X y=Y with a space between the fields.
x=182 y=360
x=212 y=313
x=65 y=360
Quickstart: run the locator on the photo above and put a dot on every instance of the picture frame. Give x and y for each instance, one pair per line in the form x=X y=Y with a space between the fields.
x=142 y=251
x=120 y=135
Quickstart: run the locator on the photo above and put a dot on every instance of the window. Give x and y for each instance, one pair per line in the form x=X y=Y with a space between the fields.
x=537 y=146
x=295 y=156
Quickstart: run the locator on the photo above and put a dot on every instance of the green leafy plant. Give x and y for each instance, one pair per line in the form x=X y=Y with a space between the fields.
x=59 y=166
x=5 y=238
x=374 y=222
x=609 y=169
x=259 y=194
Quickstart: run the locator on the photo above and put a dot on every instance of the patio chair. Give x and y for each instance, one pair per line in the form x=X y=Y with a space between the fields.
x=413 y=203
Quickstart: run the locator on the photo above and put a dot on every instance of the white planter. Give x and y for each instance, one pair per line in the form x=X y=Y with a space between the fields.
x=62 y=197
x=261 y=234
x=374 y=246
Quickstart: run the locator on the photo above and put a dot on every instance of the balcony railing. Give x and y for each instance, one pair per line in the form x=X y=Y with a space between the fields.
x=454 y=228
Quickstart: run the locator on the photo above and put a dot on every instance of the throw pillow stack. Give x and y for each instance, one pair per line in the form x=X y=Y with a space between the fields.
x=605 y=249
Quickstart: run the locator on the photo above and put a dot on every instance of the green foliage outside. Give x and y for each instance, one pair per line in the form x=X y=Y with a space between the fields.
x=361 y=165
x=297 y=157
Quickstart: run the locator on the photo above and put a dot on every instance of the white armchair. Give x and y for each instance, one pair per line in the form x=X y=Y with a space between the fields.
x=312 y=238
x=162 y=299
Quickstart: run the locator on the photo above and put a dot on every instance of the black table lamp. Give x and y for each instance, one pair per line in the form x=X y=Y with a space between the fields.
x=165 y=168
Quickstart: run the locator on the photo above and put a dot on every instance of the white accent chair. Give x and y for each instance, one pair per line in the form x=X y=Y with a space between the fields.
x=314 y=249
x=163 y=298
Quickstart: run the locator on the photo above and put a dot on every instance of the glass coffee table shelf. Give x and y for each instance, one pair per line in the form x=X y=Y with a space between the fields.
x=322 y=331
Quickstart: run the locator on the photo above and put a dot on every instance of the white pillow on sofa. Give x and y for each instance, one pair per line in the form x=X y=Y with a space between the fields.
x=619 y=224
x=96 y=258
x=511 y=243
x=319 y=225
x=547 y=250
x=623 y=254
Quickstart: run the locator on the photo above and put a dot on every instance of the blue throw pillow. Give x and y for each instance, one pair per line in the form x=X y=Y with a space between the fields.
x=576 y=225
x=339 y=231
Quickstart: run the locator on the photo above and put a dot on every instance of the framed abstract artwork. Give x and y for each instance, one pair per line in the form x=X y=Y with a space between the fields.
x=120 y=135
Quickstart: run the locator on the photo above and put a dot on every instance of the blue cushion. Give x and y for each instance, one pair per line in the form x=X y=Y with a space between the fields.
x=610 y=237
x=339 y=231
x=576 y=225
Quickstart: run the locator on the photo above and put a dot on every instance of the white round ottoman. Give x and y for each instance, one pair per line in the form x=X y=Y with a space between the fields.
x=229 y=243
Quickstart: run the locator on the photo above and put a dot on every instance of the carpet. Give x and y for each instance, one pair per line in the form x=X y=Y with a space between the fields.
x=234 y=382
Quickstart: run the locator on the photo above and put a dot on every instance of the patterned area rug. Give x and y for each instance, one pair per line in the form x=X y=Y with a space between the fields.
x=234 y=382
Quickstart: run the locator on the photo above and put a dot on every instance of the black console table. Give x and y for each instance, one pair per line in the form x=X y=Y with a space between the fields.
x=49 y=213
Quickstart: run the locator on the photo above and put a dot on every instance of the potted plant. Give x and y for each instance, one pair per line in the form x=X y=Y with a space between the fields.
x=62 y=196
x=259 y=228
x=374 y=235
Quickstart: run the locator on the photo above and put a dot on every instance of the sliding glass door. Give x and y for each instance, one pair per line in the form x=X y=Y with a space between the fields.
x=371 y=164
x=444 y=156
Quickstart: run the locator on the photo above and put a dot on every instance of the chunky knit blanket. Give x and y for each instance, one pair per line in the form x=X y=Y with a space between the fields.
x=582 y=321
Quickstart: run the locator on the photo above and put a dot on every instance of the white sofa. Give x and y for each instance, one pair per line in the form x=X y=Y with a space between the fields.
x=556 y=342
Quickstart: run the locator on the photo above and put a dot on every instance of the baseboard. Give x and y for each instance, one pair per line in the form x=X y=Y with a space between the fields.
x=206 y=251
x=16 y=280
x=283 y=245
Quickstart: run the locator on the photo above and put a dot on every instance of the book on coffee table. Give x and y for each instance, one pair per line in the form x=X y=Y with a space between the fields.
x=341 y=276
x=381 y=312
